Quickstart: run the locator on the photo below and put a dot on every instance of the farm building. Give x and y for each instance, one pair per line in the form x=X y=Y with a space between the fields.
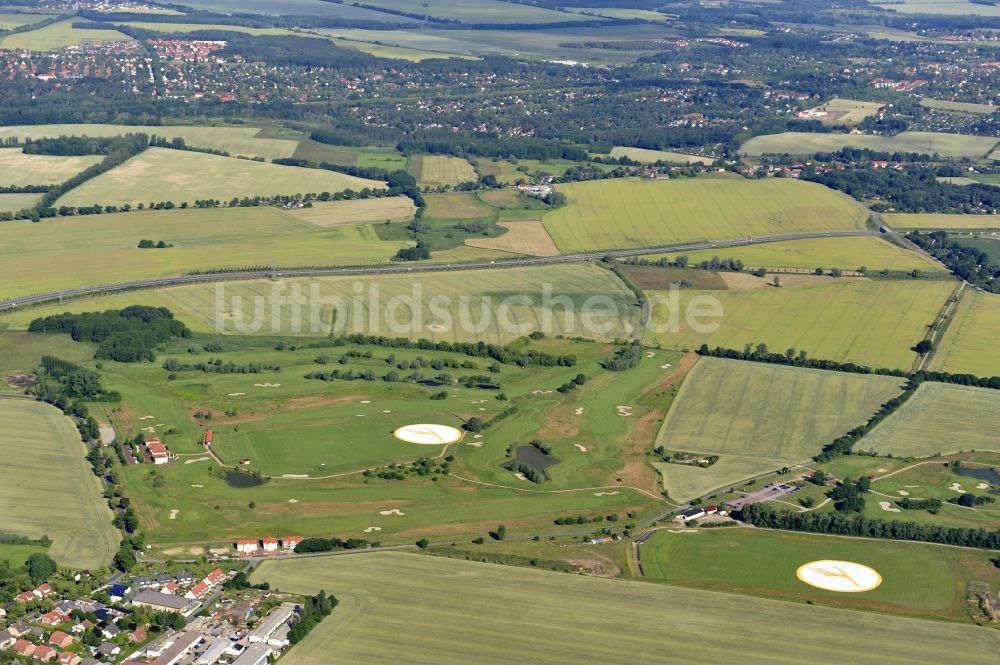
x=268 y=631
x=208 y=437
x=692 y=514
x=163 y=602
x=255 y=654
x=158 y=451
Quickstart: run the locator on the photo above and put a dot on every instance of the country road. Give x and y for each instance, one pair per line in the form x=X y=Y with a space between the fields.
x=56 y=296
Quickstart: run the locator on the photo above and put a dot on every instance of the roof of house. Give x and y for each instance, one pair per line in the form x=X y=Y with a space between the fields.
x=199 y=590
x=216 y=576
x=43 y=651
x=156 y=448
x=58 y=637
x=108 y=649
x=23 y=647
x=269 y=540
x=246 y=542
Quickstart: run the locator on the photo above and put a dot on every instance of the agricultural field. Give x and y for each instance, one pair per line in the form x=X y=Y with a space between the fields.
x=405 y=44
x=383 y=158
x=100 y=249
x=527 y=237
x=475 y=11
x=17 y=202
x=238 y=141
x=985 y=244
x=871 y=322
x=358 y=211
x=849 y=111
x=293 y=7
x=958 y=107
x=684 y=482
x=763 y=563
x=11 y=21
x=418 y=596
x=44 y=457
x=848 y=253
x=504 y=171
x=953 y=146
x=161 y=174
x=59 y=35
x=624 y=213
x=440 y=170
x=17 y=168
x=650 y=156
x=621 y=13
x=767 y=414
x=969 y=344
x=942 y=221
x=946 y=7
x=173 y=28
x=926 y=426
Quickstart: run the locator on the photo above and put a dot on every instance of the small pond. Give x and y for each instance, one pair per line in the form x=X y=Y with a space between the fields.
x=241 y=479
x=532 y=457
x=990 y=476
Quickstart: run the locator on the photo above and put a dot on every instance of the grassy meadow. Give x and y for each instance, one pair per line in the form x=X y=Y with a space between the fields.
x=394 y=604
x=101 y=249
x=59 y=35
x=763 y=563
x=958 y=107
x=17 y=168
x=161 y=174
x=805 y=143
x=50 y=489
x=11 y=21
x=926 y=426
x=238 y=141
x=848 y=253
x=440 y=170
x=650 y=156
x=969 y=344
x=870 y=322
x=623 y=213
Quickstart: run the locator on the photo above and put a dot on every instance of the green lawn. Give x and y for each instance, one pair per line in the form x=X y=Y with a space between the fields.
x=50 y=489
x=874 y=323
x=939 y=419
x=621 y=213
x=160 y=174
x=396 y=605
x=100 y=249
x=806 y=143
x=760 y=562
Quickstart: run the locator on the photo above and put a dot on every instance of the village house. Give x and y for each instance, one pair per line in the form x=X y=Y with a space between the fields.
x=23 y=648
x=246 y=546
x=44 y=653
x=68 y=658
x=158 y=451
x=291 y=542
x=270 y=545
x=53 y=618
x=6 y=639
x=215 y=578
x=60 y=639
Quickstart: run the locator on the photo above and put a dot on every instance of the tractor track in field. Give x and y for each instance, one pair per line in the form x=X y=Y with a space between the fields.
x=240 y=275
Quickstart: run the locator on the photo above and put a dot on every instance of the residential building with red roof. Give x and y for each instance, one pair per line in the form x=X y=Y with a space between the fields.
x=198 y=591
x=60 y=639
x=158 y=451
x=270 y=544
x=43 y=590
x=246 y=546
x=290 y=542
x=68 y=658
x=53 y=618
x=23 y=648
x=216 y=577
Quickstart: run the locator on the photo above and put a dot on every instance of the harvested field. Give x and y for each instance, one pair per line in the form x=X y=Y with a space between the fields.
x=357 y=211
x=741 y=281
x=529 y=238
x=969 y=344
x=17 y=168
x=958 y=107
x=440 y=170
x=650 y=156
x=18 y=202
x=805 y=143
x=944 y=221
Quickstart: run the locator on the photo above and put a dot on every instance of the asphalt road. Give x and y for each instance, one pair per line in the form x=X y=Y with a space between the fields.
x=103 y=289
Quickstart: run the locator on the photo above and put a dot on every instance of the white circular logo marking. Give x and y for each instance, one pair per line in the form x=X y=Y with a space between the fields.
x=842 y=576
x=428 y=435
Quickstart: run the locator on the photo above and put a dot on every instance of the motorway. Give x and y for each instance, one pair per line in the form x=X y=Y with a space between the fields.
x=104 y=289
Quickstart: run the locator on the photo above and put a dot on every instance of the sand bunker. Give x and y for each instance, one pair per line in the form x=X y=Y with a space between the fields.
x=359 y=415
x=236 y=394
x=372 y=528
x=520 y=476
x=366 y=401
x=582 y=449
x=579 y=411
x=147 y=418
x=267 y=385
x=476 y=444
x=394 y=511
x=957 y=487
x=197 y=486
x=200 y=459
x=606 y=493
x=623 y=411
x=293 y=501
x=295 y=475
x=149 y=429
x=650 y=354
x=541 y=392
x=386 y=411
x=666 y=366
x=888 y=507
x=173 y=514
x=983 y=486
x=882 y=471
x=903 y=493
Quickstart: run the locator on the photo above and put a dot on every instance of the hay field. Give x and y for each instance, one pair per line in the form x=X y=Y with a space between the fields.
x=528 y=237
x=870 y=322
x=160 y=174
x=102 y=249
x=940 y=418
x=396 y=605
x=805 y=143
x=17 y=168
x=624 y=213
x=763 y=563
x=16 y=202
x=969 y=344
x=238 y=141
x=649 y=156
x=846 y=253
x=944 y=221
x=49 y=488
x=357 y=211
x=782 y=415
x=959 y=107
x=59 y=35
x=440 y=170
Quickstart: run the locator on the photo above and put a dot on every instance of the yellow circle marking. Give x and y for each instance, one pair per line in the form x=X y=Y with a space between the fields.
x=428 y=435
x=841 y=576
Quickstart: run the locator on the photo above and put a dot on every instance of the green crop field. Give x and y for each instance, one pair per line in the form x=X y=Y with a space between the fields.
x=171 y=28
x=939 y=419
x=960 y=107
x=621 y=213
x=384 y=158
x=11 y=21
x=805 y=143
x=440 y=170
x=17 y=202
x=59 y=35
x=649 y=156
x=17 y=168
x=396 y=605
x=100 y=249
x=969 y=344
x=770 y=414
x=159 y=174
x=50 y=489
x=845 y=253
x=474 y=11
x=874 y=323
x=942 y=221
x=763 y=563
x=241 y=141
x=946 y=7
